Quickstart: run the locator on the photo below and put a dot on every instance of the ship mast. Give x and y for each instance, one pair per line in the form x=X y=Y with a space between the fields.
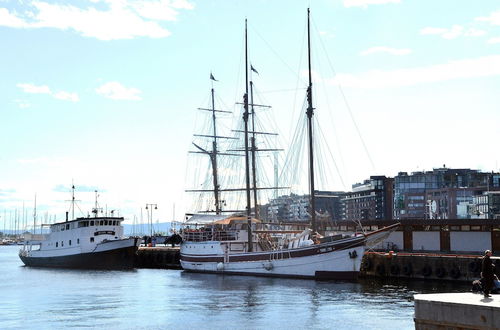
x=73 y=202
x=254 y=151
x=214 y=152
x=247 y=165
x=310 y=113
x=213 y=158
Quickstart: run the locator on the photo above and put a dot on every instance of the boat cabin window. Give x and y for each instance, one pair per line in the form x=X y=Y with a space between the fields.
x=62 y=243
x=77 y=241
x=62 y=228
x=57 y=244
x=67 y=226
x=91 y=240
x=83 y=224
x=101 y=223
x=92 y=222
x=70 y=242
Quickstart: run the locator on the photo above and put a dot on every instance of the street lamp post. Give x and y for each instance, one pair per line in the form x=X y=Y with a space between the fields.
x=149 y=208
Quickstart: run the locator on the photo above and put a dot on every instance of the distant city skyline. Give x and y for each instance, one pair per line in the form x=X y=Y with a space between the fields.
x=103 y=94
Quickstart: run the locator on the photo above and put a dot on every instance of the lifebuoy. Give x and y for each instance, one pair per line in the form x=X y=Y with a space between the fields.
x=380 y=269
x=407 y=269
x=455 y=272
x=395 y=269
x=427 y=270
x=440 y=272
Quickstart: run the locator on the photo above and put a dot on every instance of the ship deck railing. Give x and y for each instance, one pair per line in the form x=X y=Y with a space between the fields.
x=205 y=235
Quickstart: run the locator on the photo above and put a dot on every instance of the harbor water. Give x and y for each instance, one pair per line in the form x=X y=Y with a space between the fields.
x=35 y=298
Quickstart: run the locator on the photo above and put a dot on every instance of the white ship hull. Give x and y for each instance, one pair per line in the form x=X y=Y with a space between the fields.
x=337 y=260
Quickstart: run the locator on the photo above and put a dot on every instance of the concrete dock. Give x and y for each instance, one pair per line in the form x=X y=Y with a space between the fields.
x=456 y=311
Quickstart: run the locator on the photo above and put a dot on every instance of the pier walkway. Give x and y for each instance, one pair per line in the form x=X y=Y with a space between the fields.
x=456 y=311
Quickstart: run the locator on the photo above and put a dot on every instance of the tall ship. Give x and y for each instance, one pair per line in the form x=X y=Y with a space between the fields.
x=242 y=244
x=86 y=243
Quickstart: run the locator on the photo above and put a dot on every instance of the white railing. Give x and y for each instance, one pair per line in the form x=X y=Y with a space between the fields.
x=205 y=235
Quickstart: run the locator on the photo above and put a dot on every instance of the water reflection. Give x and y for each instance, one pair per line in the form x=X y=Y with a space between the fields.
x=159 y=299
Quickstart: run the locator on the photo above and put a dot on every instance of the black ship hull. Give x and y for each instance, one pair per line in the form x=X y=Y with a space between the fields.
x=121 y=258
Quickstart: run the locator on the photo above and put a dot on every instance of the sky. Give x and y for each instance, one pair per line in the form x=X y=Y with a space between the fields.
x=103 y=94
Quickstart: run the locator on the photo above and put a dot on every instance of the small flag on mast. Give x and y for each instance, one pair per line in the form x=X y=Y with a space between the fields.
x=253 y=69
x=212 y=77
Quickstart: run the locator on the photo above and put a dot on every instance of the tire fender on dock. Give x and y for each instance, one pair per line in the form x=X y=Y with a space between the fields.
x=394 y=269
x=380 y=269
x=427 y=270
x=440 y=272
x=367 y=263
x=408 y=269
x=455 y=272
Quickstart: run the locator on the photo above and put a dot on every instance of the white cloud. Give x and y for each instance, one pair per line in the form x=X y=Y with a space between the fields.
x=366 y=3
x=383 y=49
x=116 y=91
x=23 y=104
x=34 y=89
x=160 y=10
x=67 y=96
x=8 y=19
x=454 y=32
x=459 y=69
x=122 y=19
x=493 y=19
x=43 y=89
x=451 y=33
x=474 y=33
x=494 y=40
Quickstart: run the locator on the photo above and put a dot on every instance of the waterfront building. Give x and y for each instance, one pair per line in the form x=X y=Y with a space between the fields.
x=289 y=208
x=486 y=206
x=442 y=193
x=329 y=204
x=371 y=199
x=295 y=208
